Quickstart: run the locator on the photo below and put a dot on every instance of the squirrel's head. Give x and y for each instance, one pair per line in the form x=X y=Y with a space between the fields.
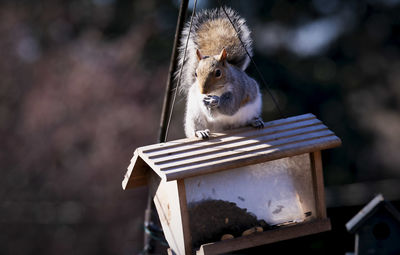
x=211 y=72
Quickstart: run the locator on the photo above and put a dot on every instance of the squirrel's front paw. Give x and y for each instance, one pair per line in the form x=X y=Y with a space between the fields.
x=203 y=134
x=257 y=122
x=211 y=101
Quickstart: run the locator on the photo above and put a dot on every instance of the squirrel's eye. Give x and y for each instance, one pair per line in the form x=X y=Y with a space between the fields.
x=217 y=73
x=195 y=74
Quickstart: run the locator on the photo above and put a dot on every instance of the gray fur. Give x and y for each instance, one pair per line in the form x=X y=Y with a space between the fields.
x=236 y=103
x=237 y=57
x=230 y=102
x=222 y=96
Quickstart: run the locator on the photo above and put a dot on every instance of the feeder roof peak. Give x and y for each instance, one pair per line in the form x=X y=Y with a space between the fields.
x=369 y=210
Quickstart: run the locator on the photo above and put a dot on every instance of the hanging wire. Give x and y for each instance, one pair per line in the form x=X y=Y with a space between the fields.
x=254 y=63
x=180 y=71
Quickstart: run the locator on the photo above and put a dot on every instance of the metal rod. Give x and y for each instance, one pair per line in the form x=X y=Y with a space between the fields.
x=172 y=67
x=165 y=110
x=148 y=245
x=171 y=111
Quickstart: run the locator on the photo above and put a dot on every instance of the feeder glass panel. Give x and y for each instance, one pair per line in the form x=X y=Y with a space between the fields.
x=275 y=192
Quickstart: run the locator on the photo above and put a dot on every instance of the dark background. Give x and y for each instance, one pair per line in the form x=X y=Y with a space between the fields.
x=82 y=83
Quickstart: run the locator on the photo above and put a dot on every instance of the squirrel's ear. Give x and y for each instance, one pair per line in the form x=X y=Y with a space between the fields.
x=199 y=56
x=222 y=55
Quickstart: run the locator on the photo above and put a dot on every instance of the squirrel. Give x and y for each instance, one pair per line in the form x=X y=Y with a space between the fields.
x=219 y=94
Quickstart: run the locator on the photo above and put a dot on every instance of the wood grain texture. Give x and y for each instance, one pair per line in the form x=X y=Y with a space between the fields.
x=318 y=183
x=270 y=236
x=184 y=217
x=187 y=141
x=231 y=151
x=248 y=143
x=185 y=158
x=240 y=158
x=136 y=174
x=249 y=134
x=167 y=201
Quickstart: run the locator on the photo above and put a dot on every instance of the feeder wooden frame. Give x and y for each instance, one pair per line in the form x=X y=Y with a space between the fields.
x=165 y=166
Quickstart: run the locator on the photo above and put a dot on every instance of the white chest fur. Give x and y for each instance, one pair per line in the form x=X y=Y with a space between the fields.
x=242 y=117
x=198 y=116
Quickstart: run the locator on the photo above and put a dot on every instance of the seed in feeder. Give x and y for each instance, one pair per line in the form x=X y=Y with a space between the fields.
x=263 y=224
x=252 y=230
x=226 y=220
x=208 y=220
x=226 y=237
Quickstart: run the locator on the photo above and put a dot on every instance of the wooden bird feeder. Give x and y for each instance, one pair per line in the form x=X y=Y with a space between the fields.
x=268 y=178
x=377 y=228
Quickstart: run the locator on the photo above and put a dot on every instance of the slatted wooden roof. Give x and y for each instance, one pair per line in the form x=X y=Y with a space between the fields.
x=190 y=157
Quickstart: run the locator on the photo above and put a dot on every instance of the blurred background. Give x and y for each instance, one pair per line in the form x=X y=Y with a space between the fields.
x=82 y=84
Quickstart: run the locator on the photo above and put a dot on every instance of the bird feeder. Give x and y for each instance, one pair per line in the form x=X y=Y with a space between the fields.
x=377 y=228
x=239 y=189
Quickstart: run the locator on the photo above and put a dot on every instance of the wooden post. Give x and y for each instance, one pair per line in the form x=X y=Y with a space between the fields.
x=318 y=184
x=184 y=216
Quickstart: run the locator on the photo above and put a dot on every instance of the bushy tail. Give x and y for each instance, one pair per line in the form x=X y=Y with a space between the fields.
x=211 y=32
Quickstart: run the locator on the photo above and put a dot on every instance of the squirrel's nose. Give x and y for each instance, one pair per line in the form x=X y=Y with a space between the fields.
x=202 y=87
